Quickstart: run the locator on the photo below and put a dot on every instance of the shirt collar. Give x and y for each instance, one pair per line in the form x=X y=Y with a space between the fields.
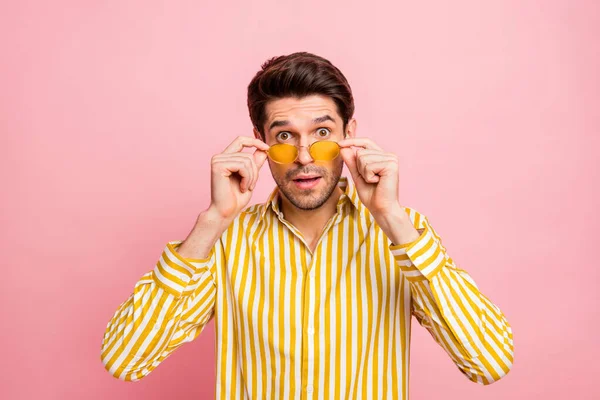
x=350 y=195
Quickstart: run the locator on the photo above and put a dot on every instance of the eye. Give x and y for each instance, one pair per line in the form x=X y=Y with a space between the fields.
x=323 y=132
x=283 y=136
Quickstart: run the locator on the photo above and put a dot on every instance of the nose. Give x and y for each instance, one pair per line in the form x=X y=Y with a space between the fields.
x=304 y=156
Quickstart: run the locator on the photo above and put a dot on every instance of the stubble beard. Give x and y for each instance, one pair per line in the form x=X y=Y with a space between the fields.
x=309 y=199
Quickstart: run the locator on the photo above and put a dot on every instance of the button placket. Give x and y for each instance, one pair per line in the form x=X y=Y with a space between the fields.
x=309 y=330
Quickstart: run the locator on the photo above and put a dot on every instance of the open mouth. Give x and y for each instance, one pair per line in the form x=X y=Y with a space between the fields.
x=307 y=180
x=307 y=183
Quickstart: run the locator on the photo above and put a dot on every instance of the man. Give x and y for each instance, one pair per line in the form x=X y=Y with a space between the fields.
x=313 y=290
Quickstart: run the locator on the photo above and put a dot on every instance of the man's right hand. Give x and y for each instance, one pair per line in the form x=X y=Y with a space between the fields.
x=234 y=175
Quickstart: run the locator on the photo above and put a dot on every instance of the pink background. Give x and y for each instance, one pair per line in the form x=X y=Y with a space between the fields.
x=110 y=112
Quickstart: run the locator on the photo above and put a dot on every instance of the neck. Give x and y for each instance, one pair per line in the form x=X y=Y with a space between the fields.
x=311 y=222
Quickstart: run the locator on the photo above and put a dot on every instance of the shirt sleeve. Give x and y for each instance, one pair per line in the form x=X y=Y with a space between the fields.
x=447 y=302
x=169 y=306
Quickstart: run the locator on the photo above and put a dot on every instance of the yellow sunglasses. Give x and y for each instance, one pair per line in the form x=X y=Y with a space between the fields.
x=285 y=153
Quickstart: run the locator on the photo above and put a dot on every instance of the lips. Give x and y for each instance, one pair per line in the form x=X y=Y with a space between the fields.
x=306 y=178
x=307 y=183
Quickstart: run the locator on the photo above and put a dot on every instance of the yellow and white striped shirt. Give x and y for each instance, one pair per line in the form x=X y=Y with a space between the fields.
x=295 y=325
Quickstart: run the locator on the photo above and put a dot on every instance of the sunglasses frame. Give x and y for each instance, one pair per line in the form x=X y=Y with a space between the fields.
x=298 y=151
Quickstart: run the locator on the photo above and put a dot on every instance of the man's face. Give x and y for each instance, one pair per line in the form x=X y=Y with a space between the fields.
x=301 y=122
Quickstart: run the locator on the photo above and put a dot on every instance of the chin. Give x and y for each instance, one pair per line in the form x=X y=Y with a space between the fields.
x=310 y=199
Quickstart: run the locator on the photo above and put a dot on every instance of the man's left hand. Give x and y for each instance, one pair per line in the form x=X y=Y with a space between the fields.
x=375 y=175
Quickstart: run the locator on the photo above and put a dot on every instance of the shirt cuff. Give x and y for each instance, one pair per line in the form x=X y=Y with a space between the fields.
x=173 y=272
x=420 y=259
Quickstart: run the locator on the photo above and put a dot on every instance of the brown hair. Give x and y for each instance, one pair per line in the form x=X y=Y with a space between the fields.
x=298 y=75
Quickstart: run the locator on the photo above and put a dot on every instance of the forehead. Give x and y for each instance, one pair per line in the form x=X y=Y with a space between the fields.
x=298 y=110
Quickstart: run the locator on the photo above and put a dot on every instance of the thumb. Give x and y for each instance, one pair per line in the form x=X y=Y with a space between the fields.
x=259 y=158
x=349 y=156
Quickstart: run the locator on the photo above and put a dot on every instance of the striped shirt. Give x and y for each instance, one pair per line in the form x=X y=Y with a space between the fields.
x=291 y=324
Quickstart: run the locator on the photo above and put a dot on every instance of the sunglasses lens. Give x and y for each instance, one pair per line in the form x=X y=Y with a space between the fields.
x=283 y=153
x=324 y=150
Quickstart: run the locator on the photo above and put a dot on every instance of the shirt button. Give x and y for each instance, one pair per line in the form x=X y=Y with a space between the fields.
x=311 y=274
x=310 y=389
x=183 y=276
x=311 y=330
x=156 y=327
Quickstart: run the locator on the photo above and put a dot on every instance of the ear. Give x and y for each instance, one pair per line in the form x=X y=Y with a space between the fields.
x=350 y=129
x=257 y=134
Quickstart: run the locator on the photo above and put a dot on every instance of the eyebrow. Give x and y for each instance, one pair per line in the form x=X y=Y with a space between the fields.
x=317 y=120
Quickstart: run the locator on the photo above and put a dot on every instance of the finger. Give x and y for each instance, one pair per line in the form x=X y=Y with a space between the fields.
x=362 y=151
x=372 y=170
x=254 y=172
x=367 y=174
x=375 y=170
x=259 y=158
x=248 y=161
x=359 y=142
x=363 y=160
x=349 y=157
x=246 y=178
x=245 y=141
x=230 y=167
